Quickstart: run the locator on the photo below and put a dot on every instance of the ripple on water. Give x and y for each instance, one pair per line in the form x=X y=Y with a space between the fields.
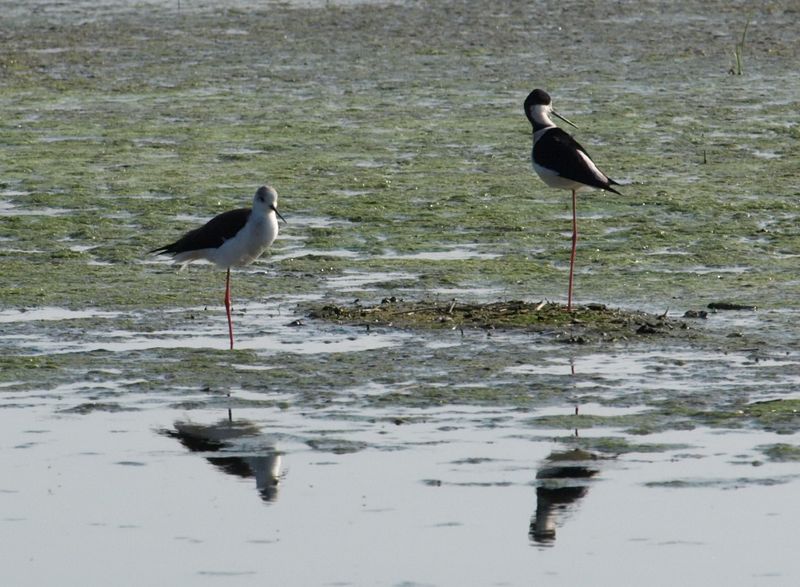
x=454 y=253
x=10 y=209
x=250 y=336
x=53 y=313
x=663 y=371
x=299 y=252
x=356 y=280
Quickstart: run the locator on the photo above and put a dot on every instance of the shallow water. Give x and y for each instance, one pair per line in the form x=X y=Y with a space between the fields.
x=446 y=486
x=328 y=454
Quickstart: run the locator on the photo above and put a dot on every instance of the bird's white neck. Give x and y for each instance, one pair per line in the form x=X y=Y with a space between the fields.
x=540 y=117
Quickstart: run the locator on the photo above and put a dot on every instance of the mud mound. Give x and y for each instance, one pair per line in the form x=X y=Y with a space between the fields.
x=582 y=324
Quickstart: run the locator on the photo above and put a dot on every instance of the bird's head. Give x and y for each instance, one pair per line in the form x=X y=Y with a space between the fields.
x=266 y=199
x=539 y=107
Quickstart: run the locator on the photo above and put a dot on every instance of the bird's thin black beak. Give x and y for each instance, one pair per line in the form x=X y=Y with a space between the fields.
x=564 y=119
x=274 y=209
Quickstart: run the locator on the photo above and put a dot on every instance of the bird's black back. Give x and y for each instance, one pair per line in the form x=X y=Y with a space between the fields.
x=557 y=150
x=211 y=235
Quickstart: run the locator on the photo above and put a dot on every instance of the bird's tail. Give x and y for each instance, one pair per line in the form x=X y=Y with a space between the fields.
x=610 y=189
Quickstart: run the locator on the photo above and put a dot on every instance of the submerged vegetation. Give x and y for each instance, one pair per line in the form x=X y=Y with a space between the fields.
x=738 y=52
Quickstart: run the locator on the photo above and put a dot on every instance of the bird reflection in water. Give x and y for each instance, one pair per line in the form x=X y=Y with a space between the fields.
x=562 y=480
x=247 y=453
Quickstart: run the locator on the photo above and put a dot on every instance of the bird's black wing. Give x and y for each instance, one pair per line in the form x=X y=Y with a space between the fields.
x=560 y=151
x=211 y=235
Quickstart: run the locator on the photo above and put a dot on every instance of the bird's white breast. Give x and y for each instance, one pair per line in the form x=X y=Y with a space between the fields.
x=249 y=243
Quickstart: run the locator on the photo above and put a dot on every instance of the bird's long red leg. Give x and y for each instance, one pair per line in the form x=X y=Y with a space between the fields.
x=228 y=305
x=574 y=246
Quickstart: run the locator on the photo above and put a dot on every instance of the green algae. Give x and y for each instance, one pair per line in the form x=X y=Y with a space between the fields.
x=120 y=133
x=779 y=416
x=426 y=158
x=782 y=416
x=600 y=448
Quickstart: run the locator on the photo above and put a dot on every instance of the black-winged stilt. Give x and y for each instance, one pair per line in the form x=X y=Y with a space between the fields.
x=561 y=162
x=233 y=238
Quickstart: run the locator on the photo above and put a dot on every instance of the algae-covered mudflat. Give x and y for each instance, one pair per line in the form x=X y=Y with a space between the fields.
x=408 y=402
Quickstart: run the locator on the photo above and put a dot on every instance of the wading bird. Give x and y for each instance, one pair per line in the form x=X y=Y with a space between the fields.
x=233 y=238
x=561 y=162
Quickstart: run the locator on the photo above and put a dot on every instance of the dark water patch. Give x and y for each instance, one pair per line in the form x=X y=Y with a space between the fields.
x=90 y=407
x=724 y=484
x=471 y=461
x=781 y=452
x=226 y=573
x=731 y=306
x=469 y=483
x=338 y=446
x=188 y=539
x=25 y=445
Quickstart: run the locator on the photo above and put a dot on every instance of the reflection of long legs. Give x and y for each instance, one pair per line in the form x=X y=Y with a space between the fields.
x=228 y=305
x=574 y=246
x=574 y=387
